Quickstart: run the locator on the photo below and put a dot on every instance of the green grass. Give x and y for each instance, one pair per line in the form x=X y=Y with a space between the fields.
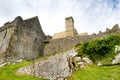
x=93 y=72
x=9 y=72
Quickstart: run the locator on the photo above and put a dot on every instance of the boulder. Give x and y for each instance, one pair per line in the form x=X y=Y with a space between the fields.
x=116 y=59
x=56 y=67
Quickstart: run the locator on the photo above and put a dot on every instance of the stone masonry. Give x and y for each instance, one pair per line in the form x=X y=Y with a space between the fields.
x=61 y=44
x=70 y=30
x=21 y=39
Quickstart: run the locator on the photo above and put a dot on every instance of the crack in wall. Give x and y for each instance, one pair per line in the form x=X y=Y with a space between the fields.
x=5 y=34
x=3 y=39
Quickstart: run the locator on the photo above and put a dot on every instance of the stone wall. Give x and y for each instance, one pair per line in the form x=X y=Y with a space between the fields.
x=59 y=35
x=83 y=34
x=62 y=44
x=65 y=34
x=21 y=39
x=71 y=33
x=58 y=45
x=70 y=30
x=24 y=39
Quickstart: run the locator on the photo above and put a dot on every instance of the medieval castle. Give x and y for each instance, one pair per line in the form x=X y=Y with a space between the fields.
x=25 y=39
x=70 y=30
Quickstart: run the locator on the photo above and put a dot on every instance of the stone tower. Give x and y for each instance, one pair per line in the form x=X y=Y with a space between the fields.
x=69 y=23
x=70 y=30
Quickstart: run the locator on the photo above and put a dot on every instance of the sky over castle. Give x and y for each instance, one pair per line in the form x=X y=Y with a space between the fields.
x=89 y=15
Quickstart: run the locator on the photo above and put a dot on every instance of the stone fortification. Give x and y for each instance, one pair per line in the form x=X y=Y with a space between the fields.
x=21 y=39
x=24 y=39
x=83 y=34
x=62 y=44
x=70 y=30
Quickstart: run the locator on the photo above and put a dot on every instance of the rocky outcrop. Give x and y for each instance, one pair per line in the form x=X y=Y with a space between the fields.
x=116 y=59
x=56 y=67
x=21 y=39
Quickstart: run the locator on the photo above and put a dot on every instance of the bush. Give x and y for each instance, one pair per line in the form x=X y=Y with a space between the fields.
x=99 y=49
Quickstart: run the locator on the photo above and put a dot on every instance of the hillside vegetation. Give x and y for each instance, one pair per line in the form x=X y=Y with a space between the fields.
x=10 y=72
x=100 y=49
x=94 y=72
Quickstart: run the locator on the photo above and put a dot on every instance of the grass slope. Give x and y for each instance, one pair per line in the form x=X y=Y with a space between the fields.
x=9 y=73
x=93 y=72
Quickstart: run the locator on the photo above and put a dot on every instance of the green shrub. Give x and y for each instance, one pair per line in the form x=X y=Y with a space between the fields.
x=100 y=49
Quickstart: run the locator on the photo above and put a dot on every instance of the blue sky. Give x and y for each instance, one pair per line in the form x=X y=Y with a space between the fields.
x=89 y=15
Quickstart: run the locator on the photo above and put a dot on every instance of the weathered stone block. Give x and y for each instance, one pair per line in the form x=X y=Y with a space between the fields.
x=21 y=39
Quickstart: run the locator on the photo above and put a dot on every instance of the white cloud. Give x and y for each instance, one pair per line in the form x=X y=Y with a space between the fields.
x=89 y=15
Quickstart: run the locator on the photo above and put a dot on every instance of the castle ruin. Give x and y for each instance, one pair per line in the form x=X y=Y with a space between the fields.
x=21 y=39
x=70 y=30
x=25 y=39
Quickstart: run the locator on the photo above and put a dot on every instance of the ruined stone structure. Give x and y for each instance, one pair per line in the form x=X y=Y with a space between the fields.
x=64 y=60
x=62 y=44
x=83 y=34
x=21 y=39
x=25 y=40
x=70 y=30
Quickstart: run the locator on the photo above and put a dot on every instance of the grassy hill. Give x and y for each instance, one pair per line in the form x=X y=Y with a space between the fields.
x=102 y=50
x=10 y=72
x=94 y=72
x=97 y=50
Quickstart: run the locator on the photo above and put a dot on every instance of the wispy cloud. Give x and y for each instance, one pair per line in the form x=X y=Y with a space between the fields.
x=89 y=15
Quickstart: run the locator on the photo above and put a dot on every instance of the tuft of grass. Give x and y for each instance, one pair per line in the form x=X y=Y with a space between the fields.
x=94 y=72
x=10 y=72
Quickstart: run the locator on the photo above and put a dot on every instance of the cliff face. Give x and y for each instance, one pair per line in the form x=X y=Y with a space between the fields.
x=21 y=39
